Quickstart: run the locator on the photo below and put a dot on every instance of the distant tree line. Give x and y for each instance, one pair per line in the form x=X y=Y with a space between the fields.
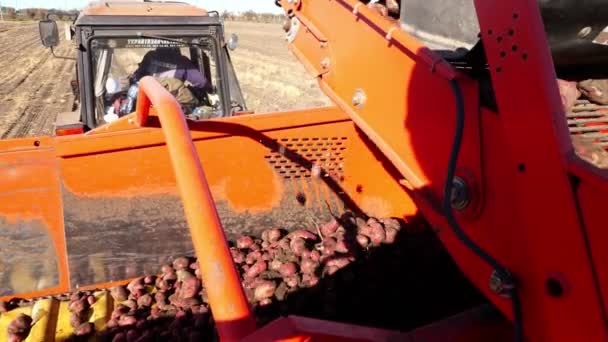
x=9 y=13
x=254 y=17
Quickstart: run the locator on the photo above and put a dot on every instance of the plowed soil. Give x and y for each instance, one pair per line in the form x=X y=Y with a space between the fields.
x=271 y=77
x=35 y=86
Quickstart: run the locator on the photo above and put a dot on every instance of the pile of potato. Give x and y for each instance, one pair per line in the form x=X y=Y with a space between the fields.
x=172 y=305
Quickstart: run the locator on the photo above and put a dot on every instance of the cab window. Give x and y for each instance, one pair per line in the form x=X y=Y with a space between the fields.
x=186 y=66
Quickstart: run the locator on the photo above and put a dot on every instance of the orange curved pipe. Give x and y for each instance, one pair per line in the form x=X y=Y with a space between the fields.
x=226 y=297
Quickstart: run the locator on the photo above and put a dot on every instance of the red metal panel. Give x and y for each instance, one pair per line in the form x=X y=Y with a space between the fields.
x=592 y=191
x=478 y=324
x=548 y=229
x=529 y=216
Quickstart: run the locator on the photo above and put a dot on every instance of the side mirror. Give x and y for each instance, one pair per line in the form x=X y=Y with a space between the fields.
x=49 y=34
x=233 y=42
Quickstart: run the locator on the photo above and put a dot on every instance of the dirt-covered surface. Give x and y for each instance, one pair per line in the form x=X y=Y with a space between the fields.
x=35 y=87
x=271 y=77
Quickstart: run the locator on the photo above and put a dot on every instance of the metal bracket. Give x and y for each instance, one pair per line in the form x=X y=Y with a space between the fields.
x=291 y=5
x=309 y=46
x=293 y=30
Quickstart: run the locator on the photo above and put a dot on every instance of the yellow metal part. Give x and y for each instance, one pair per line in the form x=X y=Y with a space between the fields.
x=44 y=315
x=6 y=318
x=51 y=318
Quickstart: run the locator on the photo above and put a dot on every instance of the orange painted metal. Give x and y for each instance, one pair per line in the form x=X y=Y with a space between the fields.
x=116 y=170
x=69 y=131
x=411 y=122
x=226 y=296
x=391 y=116
x=313 y=53
x=141 y=149
x=32 y=258
x=126 y=8
x=540 y=208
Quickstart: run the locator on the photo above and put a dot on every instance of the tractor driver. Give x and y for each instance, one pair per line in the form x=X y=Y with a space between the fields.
x=168 y=62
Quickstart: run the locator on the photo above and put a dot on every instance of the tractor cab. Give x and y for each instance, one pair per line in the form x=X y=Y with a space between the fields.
x=118 y=43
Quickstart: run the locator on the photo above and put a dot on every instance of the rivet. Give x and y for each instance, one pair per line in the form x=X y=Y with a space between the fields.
x=461 y=196
x=359 y=98
x=584 y=32
x=501 y=284
x=325 y=63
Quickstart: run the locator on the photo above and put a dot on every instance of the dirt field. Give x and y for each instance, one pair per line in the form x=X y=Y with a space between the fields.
x=271 y=77
x=34 y=86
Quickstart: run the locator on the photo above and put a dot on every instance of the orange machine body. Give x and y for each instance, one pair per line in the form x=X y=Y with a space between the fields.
x=535 y=206
x=74 y=188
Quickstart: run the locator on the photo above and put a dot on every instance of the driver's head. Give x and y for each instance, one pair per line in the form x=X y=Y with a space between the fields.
x=169 y=51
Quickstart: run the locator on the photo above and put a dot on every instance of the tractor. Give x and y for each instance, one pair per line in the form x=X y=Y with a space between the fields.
x=112 y=39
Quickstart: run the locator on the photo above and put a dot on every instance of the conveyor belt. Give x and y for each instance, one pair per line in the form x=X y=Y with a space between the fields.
x=588 y=125
x=51 y=318
x=589 y=121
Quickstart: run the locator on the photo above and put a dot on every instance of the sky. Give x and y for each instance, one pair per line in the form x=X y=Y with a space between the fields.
x=216 y=5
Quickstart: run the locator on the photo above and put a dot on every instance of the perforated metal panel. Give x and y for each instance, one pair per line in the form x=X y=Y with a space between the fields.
x=305 y=157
